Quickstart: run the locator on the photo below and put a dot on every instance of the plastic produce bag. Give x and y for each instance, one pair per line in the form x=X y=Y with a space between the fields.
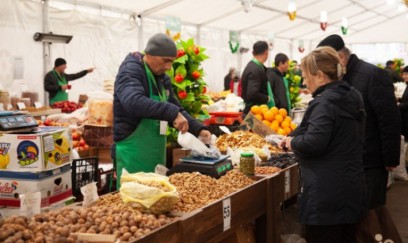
x=148 y=192
x=197 y=147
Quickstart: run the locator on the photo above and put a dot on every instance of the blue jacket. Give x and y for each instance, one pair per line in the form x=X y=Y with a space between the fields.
x=329 y=145
x=131 y=102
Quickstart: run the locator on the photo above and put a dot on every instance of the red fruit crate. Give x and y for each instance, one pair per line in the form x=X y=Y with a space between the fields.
x=226 y=118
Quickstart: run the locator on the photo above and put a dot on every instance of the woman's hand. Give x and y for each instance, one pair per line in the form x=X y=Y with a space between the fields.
x=285 y=143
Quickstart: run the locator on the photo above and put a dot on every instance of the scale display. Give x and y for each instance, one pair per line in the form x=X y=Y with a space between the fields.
x=213 y=169
x=15 y=122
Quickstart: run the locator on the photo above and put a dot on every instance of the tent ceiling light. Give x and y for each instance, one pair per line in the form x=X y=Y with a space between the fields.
x=52 y=38
x=292 y=10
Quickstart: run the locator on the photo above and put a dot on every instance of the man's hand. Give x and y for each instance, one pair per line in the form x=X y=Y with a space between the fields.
x=205 y=136
x=90 y=70
x=64 y=87
x=181 y=123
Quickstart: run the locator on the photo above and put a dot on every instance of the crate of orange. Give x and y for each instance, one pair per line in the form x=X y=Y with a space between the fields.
x=265 y=121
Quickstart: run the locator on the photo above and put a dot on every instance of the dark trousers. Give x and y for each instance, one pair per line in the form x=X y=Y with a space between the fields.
x=376 y=179
x=342 y=233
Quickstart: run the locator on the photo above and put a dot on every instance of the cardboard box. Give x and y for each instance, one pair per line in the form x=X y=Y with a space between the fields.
x=46 y=149
x=55 y=186
x=252 y=123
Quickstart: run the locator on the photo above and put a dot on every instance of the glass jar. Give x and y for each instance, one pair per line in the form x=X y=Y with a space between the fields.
x=247 y=164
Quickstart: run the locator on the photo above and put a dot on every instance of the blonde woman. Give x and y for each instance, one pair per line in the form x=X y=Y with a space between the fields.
x=329 y=145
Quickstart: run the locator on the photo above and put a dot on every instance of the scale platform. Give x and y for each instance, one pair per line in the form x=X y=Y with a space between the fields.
x=211 y=167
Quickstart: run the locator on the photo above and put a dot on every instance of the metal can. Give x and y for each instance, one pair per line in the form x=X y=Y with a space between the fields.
x=247 y=164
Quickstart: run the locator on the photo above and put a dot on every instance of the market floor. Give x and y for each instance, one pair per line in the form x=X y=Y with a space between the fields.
x=398 y=207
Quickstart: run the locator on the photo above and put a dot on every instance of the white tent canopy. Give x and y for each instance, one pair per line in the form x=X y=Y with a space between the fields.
x=105 y=31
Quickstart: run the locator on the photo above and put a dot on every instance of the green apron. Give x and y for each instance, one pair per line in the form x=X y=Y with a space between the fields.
x=61 y=94
x=145 y=147
x=271 y=102
x=285 y=81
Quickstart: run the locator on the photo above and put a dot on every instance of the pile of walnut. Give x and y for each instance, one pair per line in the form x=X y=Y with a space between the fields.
x=57 y=226
x=197 y=190
x=240 y=139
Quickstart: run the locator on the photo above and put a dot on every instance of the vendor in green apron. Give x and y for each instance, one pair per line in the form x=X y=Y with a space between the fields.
x=279 y=83
x=144 y=104
x=56 y=81
x=256 y=89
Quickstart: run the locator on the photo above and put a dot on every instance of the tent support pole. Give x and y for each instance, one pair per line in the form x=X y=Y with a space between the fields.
x=140 y=35
x=239 y=56
x=46 y=45
x=199 y=35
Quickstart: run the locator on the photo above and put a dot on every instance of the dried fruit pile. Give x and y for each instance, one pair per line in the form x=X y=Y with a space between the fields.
x=240 y=139
x=197 y=190
x=56 y=226
x=266 y=170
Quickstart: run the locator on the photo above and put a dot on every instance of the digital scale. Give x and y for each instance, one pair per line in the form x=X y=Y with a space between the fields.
x=206 y=166
x=16 y=121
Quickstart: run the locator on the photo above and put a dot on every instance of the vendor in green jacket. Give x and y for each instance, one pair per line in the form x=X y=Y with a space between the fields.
x=143 y=105
x=56 y=81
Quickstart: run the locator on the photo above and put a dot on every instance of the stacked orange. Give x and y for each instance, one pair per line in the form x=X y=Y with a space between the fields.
x=277 y=119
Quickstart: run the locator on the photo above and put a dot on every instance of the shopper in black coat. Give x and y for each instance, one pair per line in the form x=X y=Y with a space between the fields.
x=254 y=81
x=329 y=145
x=383 y=124
x=403 y=105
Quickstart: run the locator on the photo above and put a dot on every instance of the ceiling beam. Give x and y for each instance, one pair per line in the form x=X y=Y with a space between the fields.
x=160 y=7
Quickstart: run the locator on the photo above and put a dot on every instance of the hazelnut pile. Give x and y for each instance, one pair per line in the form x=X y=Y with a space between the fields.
x=266 y=170
x=197 y=190
x=125 y=223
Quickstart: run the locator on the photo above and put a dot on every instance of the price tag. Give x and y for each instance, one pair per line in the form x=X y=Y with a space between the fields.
x=21 y=106
x=48 y=143
x=163 y=127
x=287 y=182
x=38 y=104
x=226 y=211
x=90 y=193
x=30 y=204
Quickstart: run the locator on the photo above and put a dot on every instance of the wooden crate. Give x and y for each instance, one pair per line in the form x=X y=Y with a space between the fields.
x=246 y=206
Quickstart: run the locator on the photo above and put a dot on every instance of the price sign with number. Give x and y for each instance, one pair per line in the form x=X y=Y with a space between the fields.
x=287 y=182
x=226 y=211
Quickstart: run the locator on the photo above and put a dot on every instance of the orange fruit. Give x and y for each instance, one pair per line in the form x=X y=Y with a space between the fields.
x=287 y=130
x=255 y=110
x=268 y=115
x=264 y=106
x=274 y=126
x=281 y=131
x=285 y=124
x=266 y=122
x=283 y=112
x=264 y=109
x=293 y=126
x=288 y=119
x=274 y=110
x=279 y=118
x=259 y=116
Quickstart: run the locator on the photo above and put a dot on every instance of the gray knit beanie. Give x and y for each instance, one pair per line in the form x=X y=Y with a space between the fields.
x=161 y=45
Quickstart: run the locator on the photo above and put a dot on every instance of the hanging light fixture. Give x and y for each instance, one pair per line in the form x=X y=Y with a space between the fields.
x=301 y=47
x=292 y=10
x=323 y=20
x=344 y=26
x=247 y=4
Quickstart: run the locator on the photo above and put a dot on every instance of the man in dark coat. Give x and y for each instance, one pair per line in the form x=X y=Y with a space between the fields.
x=56 y=80
x=279 y=84
x=381 y=150
x=389 y=67
x=254 y=81
x=143 y=105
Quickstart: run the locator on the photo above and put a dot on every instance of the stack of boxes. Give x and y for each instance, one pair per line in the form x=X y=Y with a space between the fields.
x=35 y=162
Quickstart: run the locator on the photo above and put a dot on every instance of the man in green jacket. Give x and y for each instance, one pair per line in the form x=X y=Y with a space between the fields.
x=56 y=80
